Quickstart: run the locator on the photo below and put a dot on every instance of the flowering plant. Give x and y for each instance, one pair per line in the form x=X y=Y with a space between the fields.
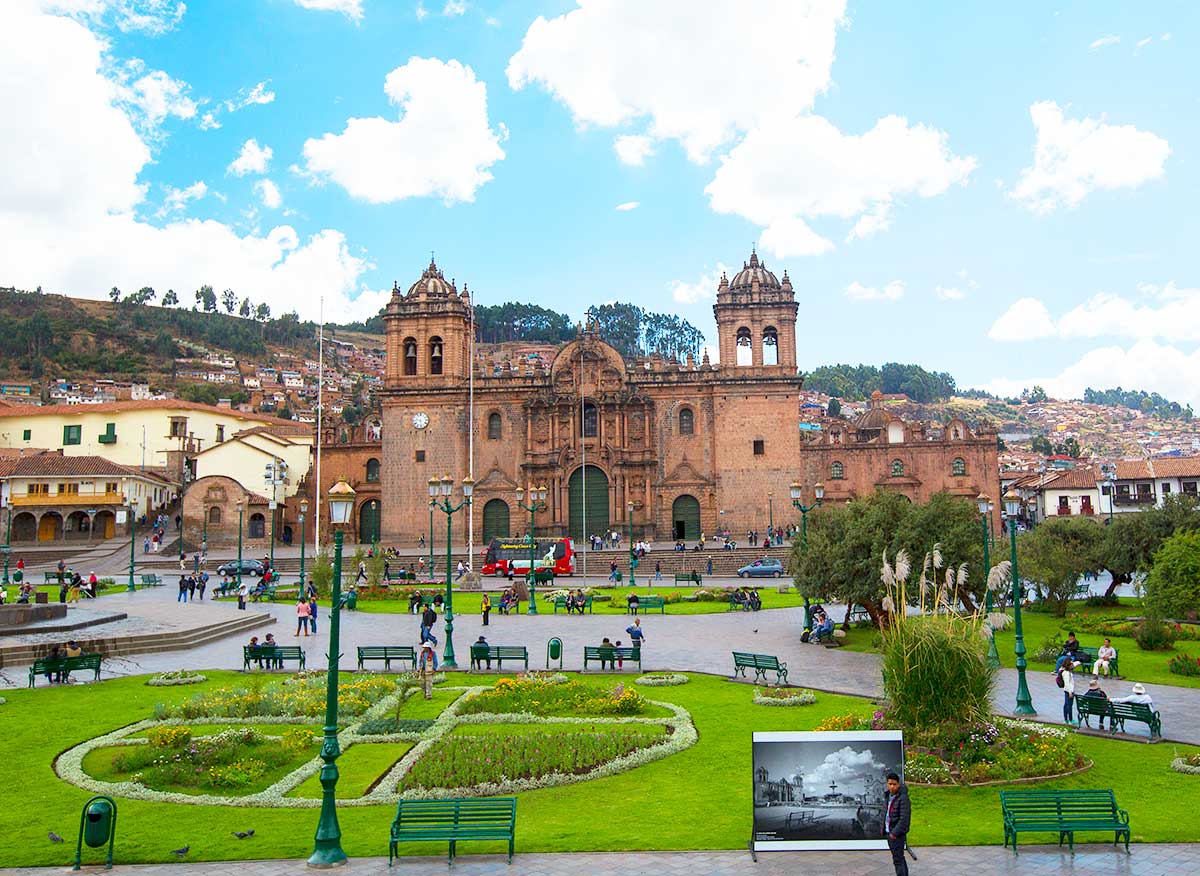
x=784 y=696
x=667 y=679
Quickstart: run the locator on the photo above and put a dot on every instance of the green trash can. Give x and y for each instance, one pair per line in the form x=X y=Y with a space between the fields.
x=554 y=651
x=97 y=828
x=618 y=577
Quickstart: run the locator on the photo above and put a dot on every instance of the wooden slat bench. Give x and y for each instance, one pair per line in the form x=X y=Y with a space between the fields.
x=499 y=653
x=52 y=578
x=65 y=666
x=1063 y=812
x=489 y=818
x=689 y=578
x=1087 y=656
x=609 y=656
x=761 y=664
x=561 y=602
x=645 y=603
x=152 y=580
x=387 y=653
x=272 y=655
x=1117 y=714
x=857 y=615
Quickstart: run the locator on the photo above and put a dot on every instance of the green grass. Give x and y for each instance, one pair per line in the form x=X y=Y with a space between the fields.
x=468 y=602
x=710 y=780
x=358 y=769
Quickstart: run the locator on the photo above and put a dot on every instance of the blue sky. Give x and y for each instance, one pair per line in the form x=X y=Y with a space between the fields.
x=1004 y=193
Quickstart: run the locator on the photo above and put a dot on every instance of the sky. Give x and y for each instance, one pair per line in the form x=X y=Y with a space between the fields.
x=1001 y=191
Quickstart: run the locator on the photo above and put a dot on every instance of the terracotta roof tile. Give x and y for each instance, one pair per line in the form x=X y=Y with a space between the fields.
x=1176 y=467
x=1082 y=478
x=1133 y=470
x=54 y=465
x=149 y=404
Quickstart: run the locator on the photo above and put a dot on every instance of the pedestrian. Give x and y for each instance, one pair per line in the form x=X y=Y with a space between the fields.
x=203 y=585
x=183 y=589
x=178 y=522
x=612 y=571
x=636 y=637
x=301 y=616
x=710 y=566
x=145 y=545
x=312 y=614
x=362 y=573
x=182 y=561
x=896 y=820
x=426 y=667
x=460 y=570
x=195 y=564
x=191 y=587
x=428 y=619
x=485 y=606
x=1066 y=680
x=657 y=570
x=243 y=592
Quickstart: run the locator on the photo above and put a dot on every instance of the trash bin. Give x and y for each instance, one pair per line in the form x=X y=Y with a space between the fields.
x=97 y=823
x=618 y=577
x=554 y=651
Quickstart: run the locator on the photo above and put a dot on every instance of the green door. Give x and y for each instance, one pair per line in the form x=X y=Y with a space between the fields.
x=495 y=520
x=593 y=507
x=368 y=522
x=685 y=518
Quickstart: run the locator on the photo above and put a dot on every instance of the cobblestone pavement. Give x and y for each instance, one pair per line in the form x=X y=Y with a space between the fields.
x=693 y=642
x=1089 y=860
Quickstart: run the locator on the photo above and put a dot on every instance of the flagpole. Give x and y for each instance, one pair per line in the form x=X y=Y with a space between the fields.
x=471 y=435
x=318 y=492
x=583 y=465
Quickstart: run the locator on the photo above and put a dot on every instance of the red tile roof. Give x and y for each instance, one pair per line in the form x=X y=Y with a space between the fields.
x=149 y=404
x=54 y=465
x=1176 y=467
x=1082 y=478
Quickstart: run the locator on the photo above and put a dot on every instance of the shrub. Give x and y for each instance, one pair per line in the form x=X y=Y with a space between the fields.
x=1182 y=664
x=302 y=695
x=237 y=774
x=388 y=726
x=169 y=737
x=515 y=695
x=1172 y=588
x=1152 y=635
x=1099 y=600
x=1048 y=651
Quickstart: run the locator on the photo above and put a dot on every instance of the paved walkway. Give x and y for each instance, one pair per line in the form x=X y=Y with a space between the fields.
x=1089 y=860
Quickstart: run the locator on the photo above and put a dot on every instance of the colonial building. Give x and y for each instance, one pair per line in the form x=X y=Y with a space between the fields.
x=669 y=449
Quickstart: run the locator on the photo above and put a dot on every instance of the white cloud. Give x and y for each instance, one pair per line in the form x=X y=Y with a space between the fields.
x=878 y=218
x=1104 y=41
x=251 y=159
x=1172 y=314
x=1073 y=158
x=1027 y=319
x=1146 y=365
x=492 y=21
x=150 y=97
x=352 y=9
x=633 y=149
x=844 y=767
x=627 y=206
x=421 y=12
x=177 y=199
x=795 y=169
x=442 y=144
x=208 y=122
x=454 y=8
x=151 y=17
x=1166 y=36
x=700 y=78
x=69 y=192
x=268 y=194
x=950 y=293
x=704 y=288
x=1145 y=42
x=258 y=95
x=893 y=291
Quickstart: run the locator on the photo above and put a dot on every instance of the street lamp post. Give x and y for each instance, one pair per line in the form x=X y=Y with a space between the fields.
x=275 y=474
x=819 y=491
x=432 y=503
x=327 y=847
x=770 y=518
x=1012 y=508
x=632 y=557
x=1109 y=472
x=7 y=538
x=303 y=514
x=241 y=506
x=537 y=496
x=441 y=500
x=985 y=510
x=131 y=587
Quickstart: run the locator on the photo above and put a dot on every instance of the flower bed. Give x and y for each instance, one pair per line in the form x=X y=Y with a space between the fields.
x=300 y=695
x=784 y=696
x=1183 y=664
x=179 y=676
x=669 y=679
x=535 y=696
x=1189 y=766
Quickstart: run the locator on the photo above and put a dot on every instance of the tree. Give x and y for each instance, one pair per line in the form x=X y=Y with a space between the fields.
x=1173 y=585
x=1131 y=540
x=229 y=300
x=285 y=413
x=1037 y=395
x=835 y=407
x=262 y=313
x=207 y=298
x=953 y=523
x=1056 y=553
x=115 y=294
x=1041 y=444
x=170 y=299
x=245 y=311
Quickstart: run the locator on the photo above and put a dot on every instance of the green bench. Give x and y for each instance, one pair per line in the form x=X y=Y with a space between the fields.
x=387 y=653
x=401 y=576
x=689 y=578
x=1082 y=591
x=64 y=665
x=857 y=615
x=488 y=818
x=561 y=602
x=152 y=580
x=647 y=602
x=1087 y=656
x=499 y=653
x=229 y=589
x=761 y=664
x=543 y=576
x=1118 y=714
x=1062 y=812
x=272 y=655
x=52 y=578
x=610 y=655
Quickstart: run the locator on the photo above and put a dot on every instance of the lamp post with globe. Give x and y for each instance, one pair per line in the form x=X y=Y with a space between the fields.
x=439 y=496
x=797 y=489
x=537 y=502
x=1012 y=510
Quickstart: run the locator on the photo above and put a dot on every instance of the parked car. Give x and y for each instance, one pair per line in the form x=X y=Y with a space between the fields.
x=767 y=567
x=253 y=568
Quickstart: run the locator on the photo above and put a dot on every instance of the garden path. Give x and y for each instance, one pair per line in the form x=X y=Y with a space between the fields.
x=1094 y=860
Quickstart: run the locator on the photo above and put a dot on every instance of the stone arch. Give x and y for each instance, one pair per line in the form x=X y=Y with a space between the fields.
x=495 y=426
x=368 y=521
x=744 y=346
x=436 y=357
x=496 y=520
x=687 y=421
x=256 y=526
x=77 y=525
x=24 y=527
x=50 y=527
x=104 y=524
x=409 y=347
x=587 y=502
x=770 y=346
x=685 y=518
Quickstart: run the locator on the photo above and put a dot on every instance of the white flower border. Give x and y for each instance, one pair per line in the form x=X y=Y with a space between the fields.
x=802 y=697
x=1180 y=765
x=661 y=679
x=161 y=681
x=681 y=736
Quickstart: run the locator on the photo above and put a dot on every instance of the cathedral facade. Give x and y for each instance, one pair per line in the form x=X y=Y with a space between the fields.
x=668 y=449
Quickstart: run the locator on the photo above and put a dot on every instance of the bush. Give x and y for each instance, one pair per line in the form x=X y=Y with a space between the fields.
x=1152 y=635
x=1099 y=600
x=169 y=737
x=1172 y=588
x=1182 y=664
x=935 y=669
x=1048 y=651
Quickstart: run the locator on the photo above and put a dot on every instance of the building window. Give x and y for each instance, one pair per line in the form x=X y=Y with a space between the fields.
x=258 y=525
x=372 y=471
x=687 y=422
x=410 y=357
x=214 y=514
x=494 y=426
x=178 y=427
x=419 y=456
x=759 y=447
x=38 y=489
x=958 y=467
x=1166 y=487
x=68 y=489
x=1105 y=490
x=27 y=435
x=110 y=487
x=897 y=468
x=770 y=346
x=837 y=471
x=591 y=421
x=72 y=434
x=1189 y=488
x=220 y=433
x=435 y=355
x=745 y=347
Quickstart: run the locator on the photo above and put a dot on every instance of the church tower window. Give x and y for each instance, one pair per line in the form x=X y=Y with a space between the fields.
x=687 y=422
x=591 y=421
x=745 y=347
x=770 y=346
x=410 y=357
x=435 y=355
x=495 y=426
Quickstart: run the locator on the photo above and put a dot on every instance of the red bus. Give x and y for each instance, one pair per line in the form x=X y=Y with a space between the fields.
x=501 y=556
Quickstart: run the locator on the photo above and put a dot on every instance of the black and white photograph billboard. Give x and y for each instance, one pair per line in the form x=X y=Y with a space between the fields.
x=816 y=791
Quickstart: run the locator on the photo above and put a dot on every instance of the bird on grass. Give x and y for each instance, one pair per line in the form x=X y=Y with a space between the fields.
x=242 y=834
x=179 y=853
x=55 y=838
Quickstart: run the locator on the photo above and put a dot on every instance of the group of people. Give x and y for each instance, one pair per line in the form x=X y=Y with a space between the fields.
x=1064 y=677
x=610 y=539
x=58 y=674
x=576 y=601
x=192 y=586
x=269 y=642
x=822 y=626
x=415 y=601
x=157 y=537
x=747 y=598
x=71 y=585
x=306 y=614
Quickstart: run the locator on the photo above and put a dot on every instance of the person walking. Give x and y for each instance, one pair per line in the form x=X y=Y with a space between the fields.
x=182 y=561
x=428 y=619
x=657 y=570
x=312 y=614
x=485 y=607
x=460 y=570
x=192 y=587
x=426 y=667
x=636 y=637
x=301 y=616
x=897 y=816
x=183 y=589
x=1066 y=680
x=243 y=591
x=203 y=584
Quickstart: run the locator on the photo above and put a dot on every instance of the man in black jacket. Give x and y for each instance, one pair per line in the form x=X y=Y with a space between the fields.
x=897 y=813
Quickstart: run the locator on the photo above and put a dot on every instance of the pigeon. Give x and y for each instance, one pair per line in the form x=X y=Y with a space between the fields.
x=179 y=853
x=756 y=631
x=55 y=838
x=242 y=834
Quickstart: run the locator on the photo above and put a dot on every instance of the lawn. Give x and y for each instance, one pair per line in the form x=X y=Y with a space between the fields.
x=468 y=602
x=711 y=781
x=1038 y=625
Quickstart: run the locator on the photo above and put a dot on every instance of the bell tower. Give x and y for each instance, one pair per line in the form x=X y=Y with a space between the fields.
x=756 y=320
x=428 y=333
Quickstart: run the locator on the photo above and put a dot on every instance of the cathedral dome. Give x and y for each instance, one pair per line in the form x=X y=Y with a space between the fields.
x=753 y=272
x=432 y=283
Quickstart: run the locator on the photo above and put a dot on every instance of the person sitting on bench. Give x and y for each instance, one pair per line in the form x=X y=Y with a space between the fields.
x=824 y=628
x=754 y=600
x=476 y=659
x=632 y=602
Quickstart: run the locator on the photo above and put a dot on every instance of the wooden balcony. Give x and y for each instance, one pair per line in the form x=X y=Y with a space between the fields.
x=51 y=499
x=1134 y=499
